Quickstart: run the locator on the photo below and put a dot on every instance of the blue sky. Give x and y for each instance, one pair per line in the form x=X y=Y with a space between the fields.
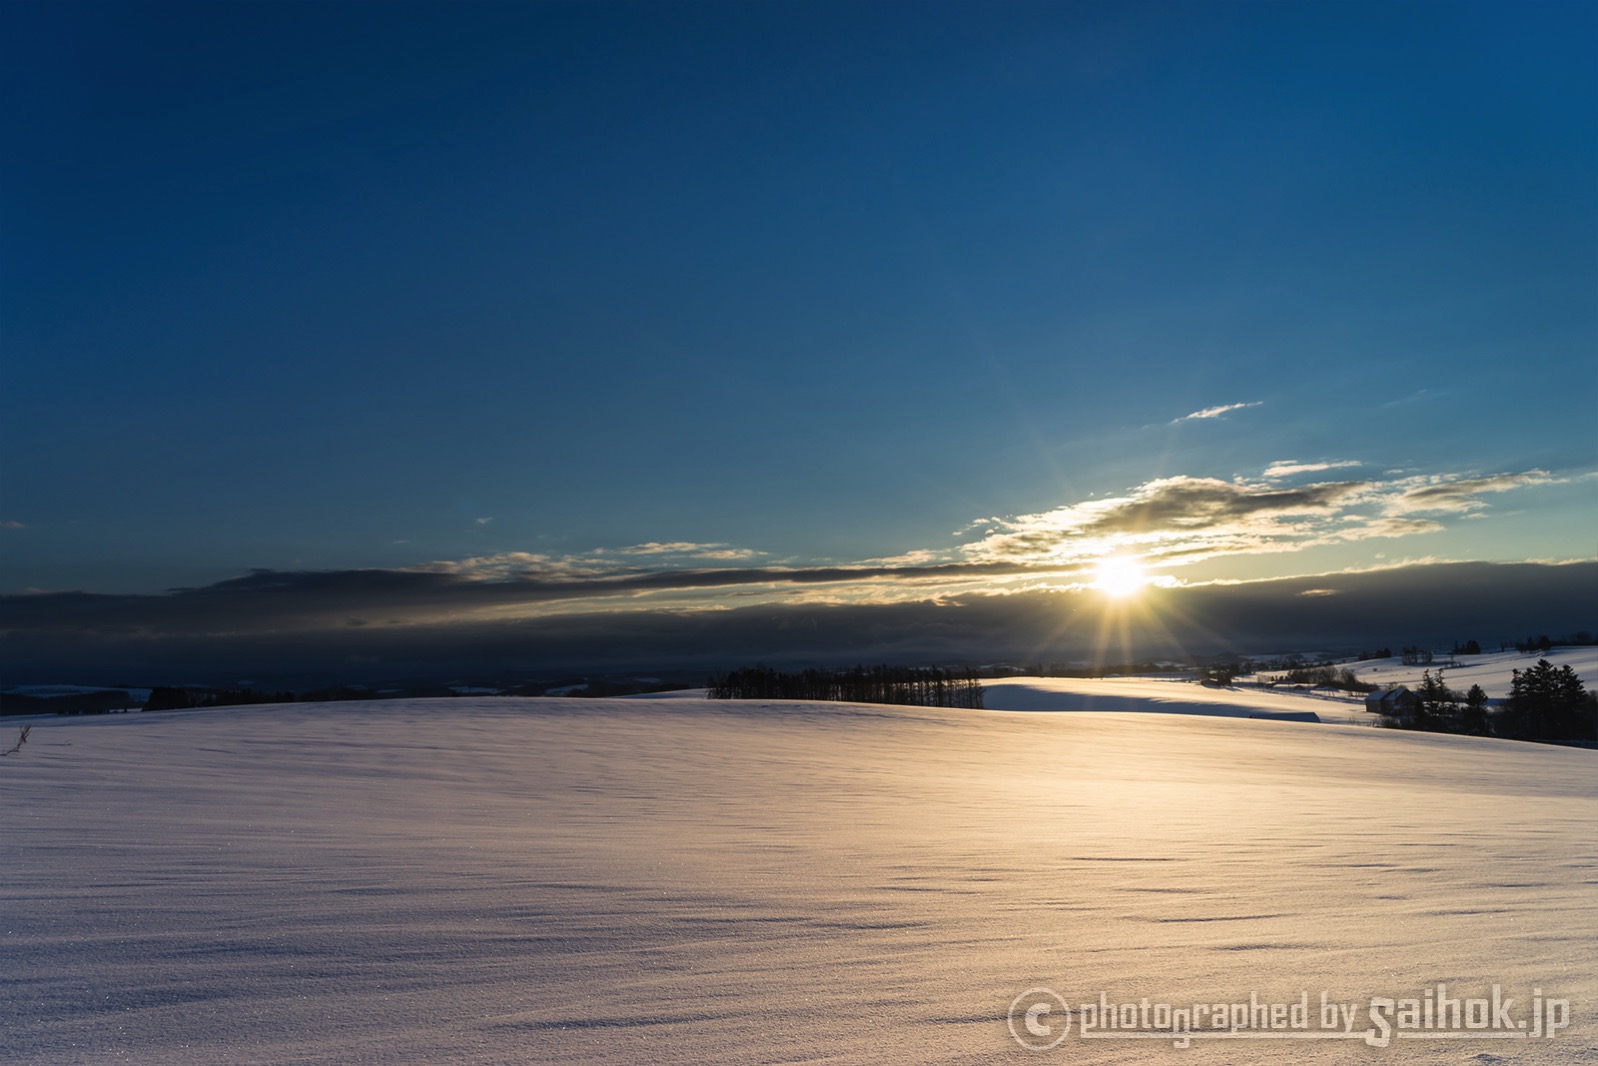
x=532 y=290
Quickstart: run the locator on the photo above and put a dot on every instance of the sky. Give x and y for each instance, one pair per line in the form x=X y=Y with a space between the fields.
x=616 y=314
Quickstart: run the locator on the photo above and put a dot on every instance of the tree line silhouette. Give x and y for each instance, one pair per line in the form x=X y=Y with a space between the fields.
x=928 y=686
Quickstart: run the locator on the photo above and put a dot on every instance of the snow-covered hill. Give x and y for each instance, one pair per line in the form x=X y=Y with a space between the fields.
x=681 y=881
x=1493 y=671
x=1128 y=694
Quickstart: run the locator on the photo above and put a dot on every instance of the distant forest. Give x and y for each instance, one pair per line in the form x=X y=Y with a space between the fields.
x=190 y=697
x=916 y=686
x=108 y=701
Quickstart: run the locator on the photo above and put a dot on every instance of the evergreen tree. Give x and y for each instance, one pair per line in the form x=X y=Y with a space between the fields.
x=1438 y=706
x=1473 y=719
x=1547 y=703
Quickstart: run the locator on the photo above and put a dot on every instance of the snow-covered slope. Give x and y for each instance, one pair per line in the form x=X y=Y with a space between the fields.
x=676 y=881
x=1493 y=672
x=1164 y=697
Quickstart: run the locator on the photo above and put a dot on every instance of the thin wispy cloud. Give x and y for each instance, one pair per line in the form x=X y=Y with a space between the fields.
x=518 y=566
x=691 y=550
x=1216 y=412
x=914 y=557
x=1464 y=494
x=1418 y=396
x=1283 y=468
x=13 y=525
x=728 y=555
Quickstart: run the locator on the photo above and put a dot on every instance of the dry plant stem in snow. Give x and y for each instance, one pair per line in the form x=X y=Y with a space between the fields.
x=22 y=738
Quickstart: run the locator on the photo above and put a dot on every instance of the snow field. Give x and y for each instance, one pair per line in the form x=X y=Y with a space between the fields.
x=679 y=880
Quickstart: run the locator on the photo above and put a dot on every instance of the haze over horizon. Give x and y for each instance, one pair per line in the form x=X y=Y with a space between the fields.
x=546 y=332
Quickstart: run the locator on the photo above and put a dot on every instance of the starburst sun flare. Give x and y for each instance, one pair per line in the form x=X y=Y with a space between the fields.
x=1120 y=576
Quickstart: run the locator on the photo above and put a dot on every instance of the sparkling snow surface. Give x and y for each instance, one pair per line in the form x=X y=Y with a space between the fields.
x=680 y=881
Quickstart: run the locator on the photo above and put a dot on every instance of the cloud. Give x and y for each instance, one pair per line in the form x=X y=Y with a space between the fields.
x=1170 y=523
x=1173 y=518
x=915 y=557
x=506 y=566
x=267 y=623
x=1418 y=396
x=716 y=552
x=514 y=585
x=1463 y=494
x=1290 y=468
x=657 y=548
x=13 y=525
x=483 y=521
x=1185 y=520
x=1216 y=412
x=1184 y=503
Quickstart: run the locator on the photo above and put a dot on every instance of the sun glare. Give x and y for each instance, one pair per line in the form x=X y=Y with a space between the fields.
x=1119 y=577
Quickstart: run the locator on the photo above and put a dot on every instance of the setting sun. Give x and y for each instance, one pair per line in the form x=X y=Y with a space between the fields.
x=1120 y=576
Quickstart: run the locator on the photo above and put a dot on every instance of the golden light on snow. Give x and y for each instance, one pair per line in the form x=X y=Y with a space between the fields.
x=1120 y=576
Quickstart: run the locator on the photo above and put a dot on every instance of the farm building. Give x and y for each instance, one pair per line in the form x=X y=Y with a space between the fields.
x=1395 y=702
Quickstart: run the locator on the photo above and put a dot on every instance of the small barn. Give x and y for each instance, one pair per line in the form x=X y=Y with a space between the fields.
x=1395 y=702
